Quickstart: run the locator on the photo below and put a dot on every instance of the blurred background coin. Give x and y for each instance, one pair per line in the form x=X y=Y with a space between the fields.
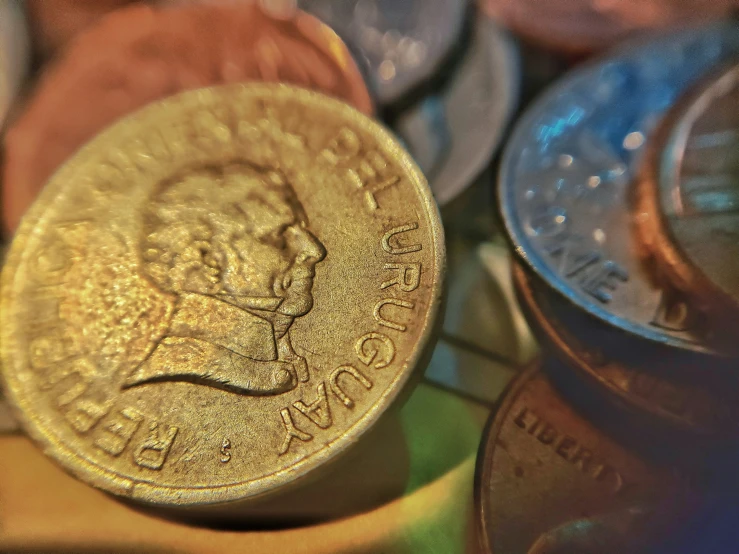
x=676 y=389
x=200 y=308
x=688 y=197
x=140 y=54
x=15 y=56
x=583 y=26
x=566 y=173
x=55 y=22
x=404 y=41
x=543 y=467
x=453 y=132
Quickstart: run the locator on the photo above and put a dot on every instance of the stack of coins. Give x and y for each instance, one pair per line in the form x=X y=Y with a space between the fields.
x=244 y=231
x=617 y=192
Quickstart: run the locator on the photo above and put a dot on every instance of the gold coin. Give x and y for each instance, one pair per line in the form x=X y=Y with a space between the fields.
x=687 y=199
x=220 y=294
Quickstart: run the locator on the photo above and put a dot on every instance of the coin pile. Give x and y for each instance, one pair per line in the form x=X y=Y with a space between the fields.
x=244 y=230
x=617 y=189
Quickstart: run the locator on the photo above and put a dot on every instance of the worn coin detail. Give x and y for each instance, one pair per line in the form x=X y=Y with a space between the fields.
x=567 y=171
x=141 y=54
x=688 y=195
x=543 y=470
x=671 y=386
x=404 y=41
x=220 y=294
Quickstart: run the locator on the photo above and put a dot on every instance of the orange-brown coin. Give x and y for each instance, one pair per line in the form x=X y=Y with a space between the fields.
x=687 y=198
x=140 y=54
x=549 y=481
x=664 y=389
x=56 y=22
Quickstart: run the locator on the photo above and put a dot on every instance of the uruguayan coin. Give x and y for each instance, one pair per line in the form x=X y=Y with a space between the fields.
x=565 y=179
x=404 y=41
x=220 y=294
x=15 y=56
x=454 y=132
x=687 y=199
x=549 y=481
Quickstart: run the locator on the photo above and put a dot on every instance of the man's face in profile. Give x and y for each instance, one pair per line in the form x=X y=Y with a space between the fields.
x=279 y=254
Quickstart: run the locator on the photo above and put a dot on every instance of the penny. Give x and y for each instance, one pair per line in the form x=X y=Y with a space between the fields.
x=546 y=476
x=14 y=54
x=687 y=198
x=404 y=41
x=56 y=22
x=566 y=174
x=468 y=117
x=140 y=54
x=583 y=26
x=216 y=297
x=649 y=380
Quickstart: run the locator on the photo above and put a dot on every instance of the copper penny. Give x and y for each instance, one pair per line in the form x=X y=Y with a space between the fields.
x=687 y=199
x=56 y=22
x=549 y=481
x=652 y=381
x=584 y=26
x=140 y=54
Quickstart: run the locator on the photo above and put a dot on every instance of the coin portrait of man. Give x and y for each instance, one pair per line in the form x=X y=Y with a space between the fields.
x=232 y=245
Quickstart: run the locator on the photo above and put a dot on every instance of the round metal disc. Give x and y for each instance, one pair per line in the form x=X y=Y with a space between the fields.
x=454 y=133
x=567 y=170
x=647 y=380
x=549 y=481
x=689 y=198
x=405 y=41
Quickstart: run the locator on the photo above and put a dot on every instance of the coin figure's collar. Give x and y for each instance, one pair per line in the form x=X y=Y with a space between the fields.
x=215 y=343
x=224 y=324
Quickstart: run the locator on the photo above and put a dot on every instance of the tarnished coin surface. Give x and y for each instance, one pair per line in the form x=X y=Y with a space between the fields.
x=15 y=56
x=404 y=41
x=468 y=116
x=566 y=173
x=650 y=380
x=546 y=476
x=140 y=54
x=219 y=294
x=582 y=26
x=688 y=196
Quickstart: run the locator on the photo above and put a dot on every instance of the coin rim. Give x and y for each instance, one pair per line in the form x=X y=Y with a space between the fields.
x=488 y=443
x=545 y=327
x=675 y=266
x=506 y=181
x=170 y=496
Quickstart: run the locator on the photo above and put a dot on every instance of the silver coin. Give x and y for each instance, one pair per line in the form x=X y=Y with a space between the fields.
x=453 y=134
x=566 y=173
x=404 y=41
x=14 y=53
